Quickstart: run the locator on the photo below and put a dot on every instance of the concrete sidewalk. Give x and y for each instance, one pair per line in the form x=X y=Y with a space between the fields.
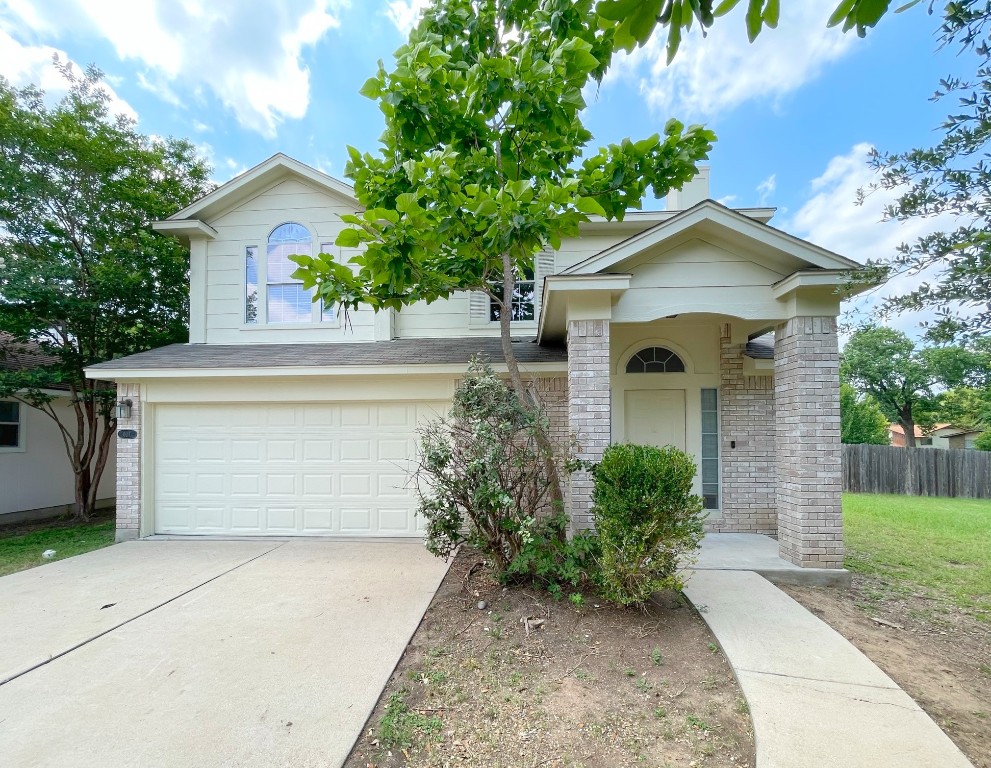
x=816 y=701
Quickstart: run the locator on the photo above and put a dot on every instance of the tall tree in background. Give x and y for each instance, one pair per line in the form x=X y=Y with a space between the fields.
x=952 y=178
x=904 y=381
x=82 y=277
x=482 y=159
x=861 y=419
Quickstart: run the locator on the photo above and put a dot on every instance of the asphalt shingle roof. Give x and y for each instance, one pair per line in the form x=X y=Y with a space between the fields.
x=456 y=351
x=761 y=348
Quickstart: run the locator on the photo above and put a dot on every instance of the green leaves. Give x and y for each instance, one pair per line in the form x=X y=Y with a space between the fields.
x=484 y=152
x=634 y=21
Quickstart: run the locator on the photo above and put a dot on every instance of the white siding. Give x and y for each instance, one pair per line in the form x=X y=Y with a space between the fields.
x=39 y=477
x=250 y=224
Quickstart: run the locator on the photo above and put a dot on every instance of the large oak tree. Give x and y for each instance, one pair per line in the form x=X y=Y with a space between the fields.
x=83 y=278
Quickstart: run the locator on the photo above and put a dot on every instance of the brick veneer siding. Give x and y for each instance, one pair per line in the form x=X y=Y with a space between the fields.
x=807 y=405
x=129 y=467
x=552 y=394
x=588 y=408
x=746 y=415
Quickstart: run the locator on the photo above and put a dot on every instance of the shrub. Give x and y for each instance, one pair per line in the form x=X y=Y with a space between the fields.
x=646 y=517
x=549 y=557
x=983 y=441
x=482 y=476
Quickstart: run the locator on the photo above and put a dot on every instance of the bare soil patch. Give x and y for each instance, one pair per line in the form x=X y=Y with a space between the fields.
x=938 y=653
x=530 y=681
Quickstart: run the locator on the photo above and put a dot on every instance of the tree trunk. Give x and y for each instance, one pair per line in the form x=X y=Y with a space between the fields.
x=907 y=424
x=516 y=380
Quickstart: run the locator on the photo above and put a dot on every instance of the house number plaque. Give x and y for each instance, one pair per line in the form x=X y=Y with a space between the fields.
x=127 y=434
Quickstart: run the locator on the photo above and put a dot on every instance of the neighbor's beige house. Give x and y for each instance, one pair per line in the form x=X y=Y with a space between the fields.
x=699 y=326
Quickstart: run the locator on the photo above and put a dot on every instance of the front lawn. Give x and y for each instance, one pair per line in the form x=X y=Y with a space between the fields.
x=21 y=546
x=940 y=545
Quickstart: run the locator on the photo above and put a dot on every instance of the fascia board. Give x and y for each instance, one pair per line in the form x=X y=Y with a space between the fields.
x=343 y=370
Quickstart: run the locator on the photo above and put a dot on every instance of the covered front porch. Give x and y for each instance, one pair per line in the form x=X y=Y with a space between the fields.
x=716 y=334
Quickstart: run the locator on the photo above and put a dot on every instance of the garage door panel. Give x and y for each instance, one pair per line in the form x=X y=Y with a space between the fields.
x=318 y=485
x=245 y=450
x=317 y=468
x=318 y=450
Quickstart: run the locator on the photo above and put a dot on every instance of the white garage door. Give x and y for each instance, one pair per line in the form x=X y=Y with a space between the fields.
x=273 y=469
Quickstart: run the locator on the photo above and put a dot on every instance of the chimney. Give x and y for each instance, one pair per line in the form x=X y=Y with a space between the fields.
x=692 y=193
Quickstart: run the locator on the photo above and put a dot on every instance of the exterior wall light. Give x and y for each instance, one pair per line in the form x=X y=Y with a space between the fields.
x=123 y=409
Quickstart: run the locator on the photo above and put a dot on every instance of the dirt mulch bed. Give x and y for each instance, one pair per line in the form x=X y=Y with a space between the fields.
x=939 y=654
x=530 y=681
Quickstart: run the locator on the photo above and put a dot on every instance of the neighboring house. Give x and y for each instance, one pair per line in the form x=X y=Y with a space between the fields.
x=949 y=436
x=281 y=418
x=896 y=435
x=36 y=479
x=941 y=436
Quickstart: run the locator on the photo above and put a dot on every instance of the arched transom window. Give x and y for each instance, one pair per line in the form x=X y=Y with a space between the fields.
x=655 y=360
x=284 y=299
x=288 y=301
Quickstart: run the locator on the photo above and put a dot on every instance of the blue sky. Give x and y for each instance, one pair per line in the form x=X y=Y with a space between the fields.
x=794 y=112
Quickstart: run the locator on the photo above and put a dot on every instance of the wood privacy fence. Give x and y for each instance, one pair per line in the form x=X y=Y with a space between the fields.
x=917 y=471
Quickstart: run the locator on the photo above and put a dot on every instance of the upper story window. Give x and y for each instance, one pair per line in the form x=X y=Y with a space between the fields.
x=11 y=430
x=269 y=285
x=655 y=360
x=523 y=298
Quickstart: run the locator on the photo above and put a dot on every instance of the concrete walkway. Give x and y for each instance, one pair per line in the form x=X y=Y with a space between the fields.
x=758 y=553
x=189 y=653
x=816 y=701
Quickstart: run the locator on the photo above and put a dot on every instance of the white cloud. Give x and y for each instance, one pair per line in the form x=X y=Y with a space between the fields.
x=722 y=71
x=251 y=59
x=766 y=188
x=33 y=65
x=405 y=14
x=830 y=217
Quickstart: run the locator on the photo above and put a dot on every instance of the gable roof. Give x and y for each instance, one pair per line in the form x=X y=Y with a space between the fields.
x=279 y=166
x=714 y=216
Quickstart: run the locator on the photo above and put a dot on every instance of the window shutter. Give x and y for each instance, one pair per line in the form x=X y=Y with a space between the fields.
x=543 y=265
x=478 y=308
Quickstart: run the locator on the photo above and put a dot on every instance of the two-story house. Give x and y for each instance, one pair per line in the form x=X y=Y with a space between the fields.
x=699 y=326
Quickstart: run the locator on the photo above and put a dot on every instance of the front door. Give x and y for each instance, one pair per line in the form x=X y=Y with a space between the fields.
x=656 y=417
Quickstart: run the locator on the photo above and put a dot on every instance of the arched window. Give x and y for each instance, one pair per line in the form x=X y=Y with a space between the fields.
x=655 y=360
x=288 y=301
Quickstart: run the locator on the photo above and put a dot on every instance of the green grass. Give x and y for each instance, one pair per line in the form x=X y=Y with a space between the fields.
x=20 y=549
x=940 y=545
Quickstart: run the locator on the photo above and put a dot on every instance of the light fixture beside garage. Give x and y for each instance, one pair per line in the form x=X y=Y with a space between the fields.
x=123 y=409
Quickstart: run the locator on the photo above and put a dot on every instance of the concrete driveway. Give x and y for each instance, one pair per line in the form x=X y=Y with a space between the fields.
x=205 y=653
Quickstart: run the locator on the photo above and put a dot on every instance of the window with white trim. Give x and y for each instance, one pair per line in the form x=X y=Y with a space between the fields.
x=11 y=429
x=271 y=294
x=523 y=298
x=710 y=449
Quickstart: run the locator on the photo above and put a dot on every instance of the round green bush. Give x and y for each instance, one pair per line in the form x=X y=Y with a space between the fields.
x=647 y=519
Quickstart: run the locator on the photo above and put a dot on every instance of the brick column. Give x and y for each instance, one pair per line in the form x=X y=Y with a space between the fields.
x=588 y=408
x=747 y=442
x=807 y=410
x=129 y=467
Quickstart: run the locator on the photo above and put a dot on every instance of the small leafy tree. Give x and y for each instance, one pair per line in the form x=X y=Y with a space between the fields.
x=647 y=519
x=983 y=441
x=83 y=278
x=480 y=477
x=485 y=160
x=950 y=179
x=861 y=420
x=903 y=380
